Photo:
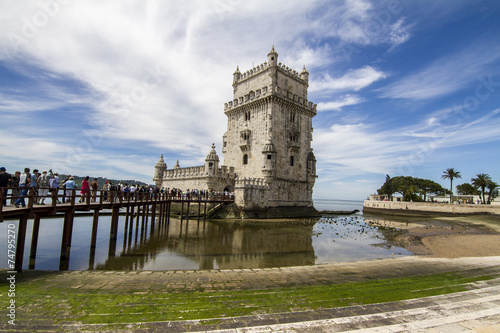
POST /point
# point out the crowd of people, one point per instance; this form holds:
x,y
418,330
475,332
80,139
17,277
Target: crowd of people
x,y
46,182
20,183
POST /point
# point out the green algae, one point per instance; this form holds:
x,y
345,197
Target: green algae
x,y
87,306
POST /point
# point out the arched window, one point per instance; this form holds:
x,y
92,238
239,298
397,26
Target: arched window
x,y
291,160
245,159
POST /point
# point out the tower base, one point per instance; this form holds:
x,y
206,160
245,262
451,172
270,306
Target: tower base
x,y
233,211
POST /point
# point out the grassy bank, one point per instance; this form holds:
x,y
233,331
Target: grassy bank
x,y
45,302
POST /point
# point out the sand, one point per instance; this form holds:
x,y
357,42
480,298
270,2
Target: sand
x,y
448,237
454,246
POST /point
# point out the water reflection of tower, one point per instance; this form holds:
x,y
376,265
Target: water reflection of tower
x,y
220,245
228,245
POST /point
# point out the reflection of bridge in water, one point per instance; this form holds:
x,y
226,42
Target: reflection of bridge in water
x,y
143,207
220,245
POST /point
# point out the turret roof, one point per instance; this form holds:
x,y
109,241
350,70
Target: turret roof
x,y
212,156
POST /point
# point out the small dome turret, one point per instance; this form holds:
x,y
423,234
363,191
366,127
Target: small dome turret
x,y
272,57
160,169
212,162
304,75
161,163
269,147
236,74
212,156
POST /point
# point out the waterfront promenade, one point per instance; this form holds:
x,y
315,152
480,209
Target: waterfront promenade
x,y
416,208
475,310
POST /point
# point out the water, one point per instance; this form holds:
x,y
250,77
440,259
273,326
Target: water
x,y
194,245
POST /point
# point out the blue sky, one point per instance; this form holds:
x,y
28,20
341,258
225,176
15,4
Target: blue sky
x,y
103,88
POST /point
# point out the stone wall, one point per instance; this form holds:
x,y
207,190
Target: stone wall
x,y
413,208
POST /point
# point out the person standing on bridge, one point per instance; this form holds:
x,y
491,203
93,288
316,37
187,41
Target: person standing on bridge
x,y
43,183
34,183
94,186
54,183
15,186
70,185
5,181
85,192
24,182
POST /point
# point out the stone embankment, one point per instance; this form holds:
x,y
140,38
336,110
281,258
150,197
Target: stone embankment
x,y
419,208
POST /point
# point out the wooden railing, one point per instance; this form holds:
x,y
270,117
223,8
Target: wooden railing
x,y
62,198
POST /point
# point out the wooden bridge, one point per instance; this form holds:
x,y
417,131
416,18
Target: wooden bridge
x,y
139,205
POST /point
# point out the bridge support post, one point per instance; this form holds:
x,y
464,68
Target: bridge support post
x,y
113,232
34,241
66,238
21,237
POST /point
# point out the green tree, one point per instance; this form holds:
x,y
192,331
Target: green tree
x,y
467,189
481,181
427,186
412,189
387,188
451,174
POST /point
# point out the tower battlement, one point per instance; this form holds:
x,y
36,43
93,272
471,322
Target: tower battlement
x,y
271,78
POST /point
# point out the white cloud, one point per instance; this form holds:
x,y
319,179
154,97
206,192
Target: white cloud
x,y
353,80
339,103
356,149
399,33
154,75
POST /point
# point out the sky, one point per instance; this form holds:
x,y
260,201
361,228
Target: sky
x,y
102,88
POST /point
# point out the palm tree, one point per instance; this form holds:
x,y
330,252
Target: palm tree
x,y
491,188
450,174
481,181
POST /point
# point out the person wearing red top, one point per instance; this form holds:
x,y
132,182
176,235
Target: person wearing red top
x,y
85,189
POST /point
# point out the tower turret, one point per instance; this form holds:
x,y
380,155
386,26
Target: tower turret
x,y
304,75
272,57
311,166
160,169
269,155
212,162
236,74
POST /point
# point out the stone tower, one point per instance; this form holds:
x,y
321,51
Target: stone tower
x,y
268,138
268,160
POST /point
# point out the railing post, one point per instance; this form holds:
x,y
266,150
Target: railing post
x,y
31,197
73,197
53,196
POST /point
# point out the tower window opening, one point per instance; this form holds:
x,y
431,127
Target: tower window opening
x,y
247,115
245,159
291,160
269,156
